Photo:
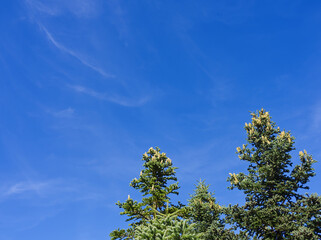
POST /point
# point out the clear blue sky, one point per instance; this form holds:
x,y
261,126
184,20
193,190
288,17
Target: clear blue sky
x,y
87,86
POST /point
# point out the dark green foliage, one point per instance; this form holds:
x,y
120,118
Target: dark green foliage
x,y
122,234
307,223
274,208
203,208
206,213
153,184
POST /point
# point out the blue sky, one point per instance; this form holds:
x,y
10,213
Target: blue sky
x,y
87,86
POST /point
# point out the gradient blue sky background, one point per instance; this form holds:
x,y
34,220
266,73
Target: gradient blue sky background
x,y
87,86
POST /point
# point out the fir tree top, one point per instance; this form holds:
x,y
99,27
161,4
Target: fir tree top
x,y
153,179
272,185
153,184
270,161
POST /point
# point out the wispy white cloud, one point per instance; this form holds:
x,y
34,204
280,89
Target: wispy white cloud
x,y
88,91
65,113
74,54
38,187
45,198
79,8
123,101
119,20
58,190
41,7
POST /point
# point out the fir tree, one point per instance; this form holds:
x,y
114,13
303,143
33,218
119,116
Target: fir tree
x,y
167,226
207,215
274,207
153,184
203,208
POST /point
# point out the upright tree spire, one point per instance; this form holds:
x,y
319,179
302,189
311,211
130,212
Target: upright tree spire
x,y
271,186
153,179
206,214
153,184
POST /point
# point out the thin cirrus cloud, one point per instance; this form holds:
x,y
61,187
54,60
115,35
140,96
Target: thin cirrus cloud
x,y
51,188
41,7
102,96
126,102
45,198
65,113
23,187
79,8
74,54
